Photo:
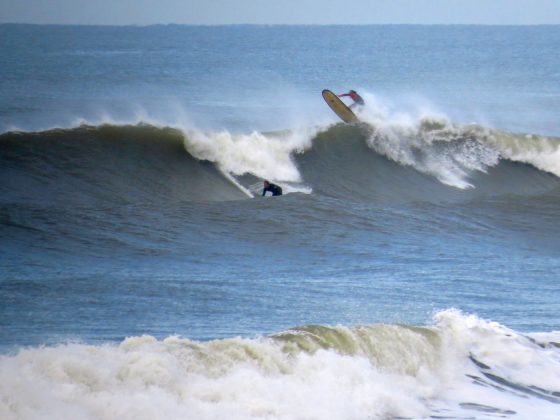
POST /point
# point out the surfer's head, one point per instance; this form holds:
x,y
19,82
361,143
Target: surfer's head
x,y
266,183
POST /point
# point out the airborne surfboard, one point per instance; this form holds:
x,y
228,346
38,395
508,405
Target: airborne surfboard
x,y
339,107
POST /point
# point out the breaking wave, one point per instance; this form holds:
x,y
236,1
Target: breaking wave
x,y
426,159
460,367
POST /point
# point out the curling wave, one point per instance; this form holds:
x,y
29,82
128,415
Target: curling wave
x,y
430,160
433,162
91,165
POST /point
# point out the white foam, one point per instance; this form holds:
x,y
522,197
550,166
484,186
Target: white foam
x,y
267,156
376,372
235,379
509,354
414,137
539,151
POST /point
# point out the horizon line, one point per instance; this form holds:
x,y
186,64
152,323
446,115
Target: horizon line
x,y
274,24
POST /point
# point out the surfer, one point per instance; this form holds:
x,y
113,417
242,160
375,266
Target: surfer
x,y
358,100
273,188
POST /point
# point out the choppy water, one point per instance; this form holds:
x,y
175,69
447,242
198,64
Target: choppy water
x,y
409,271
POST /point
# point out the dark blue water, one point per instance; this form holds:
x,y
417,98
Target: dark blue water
x,y
131,167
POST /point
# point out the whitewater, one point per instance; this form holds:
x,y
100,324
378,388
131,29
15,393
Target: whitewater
x,y
409,271
460,367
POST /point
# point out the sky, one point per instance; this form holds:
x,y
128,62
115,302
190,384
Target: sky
x,y
211,12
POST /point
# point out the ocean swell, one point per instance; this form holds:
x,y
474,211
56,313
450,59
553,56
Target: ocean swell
x,y
428,160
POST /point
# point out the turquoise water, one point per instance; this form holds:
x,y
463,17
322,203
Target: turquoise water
x,y
417,251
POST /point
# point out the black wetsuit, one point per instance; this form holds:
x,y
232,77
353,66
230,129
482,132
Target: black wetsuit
x,y
273,188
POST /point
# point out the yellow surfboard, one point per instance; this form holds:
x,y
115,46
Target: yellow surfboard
x,y
339,107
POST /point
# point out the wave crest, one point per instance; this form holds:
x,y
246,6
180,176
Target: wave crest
x,y
389,160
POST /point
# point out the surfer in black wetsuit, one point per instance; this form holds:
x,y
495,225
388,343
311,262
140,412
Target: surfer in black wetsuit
x,y
273,188
358,100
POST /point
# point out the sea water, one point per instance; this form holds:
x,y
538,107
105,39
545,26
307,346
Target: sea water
x,y
410,270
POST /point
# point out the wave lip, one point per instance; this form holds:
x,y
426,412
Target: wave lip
x,y
428,160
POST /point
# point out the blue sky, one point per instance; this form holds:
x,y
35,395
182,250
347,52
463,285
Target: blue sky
x,y
144,12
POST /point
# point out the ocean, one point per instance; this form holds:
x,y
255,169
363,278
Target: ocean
x,y
410,270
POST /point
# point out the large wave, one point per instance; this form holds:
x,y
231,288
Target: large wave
x,y
384,158
460,366
115,164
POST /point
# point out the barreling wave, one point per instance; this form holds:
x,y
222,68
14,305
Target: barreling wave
x,y
428,159
460,367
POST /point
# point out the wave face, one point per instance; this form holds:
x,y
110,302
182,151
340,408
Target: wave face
x,y
461,367
430,160
89,166
438,165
